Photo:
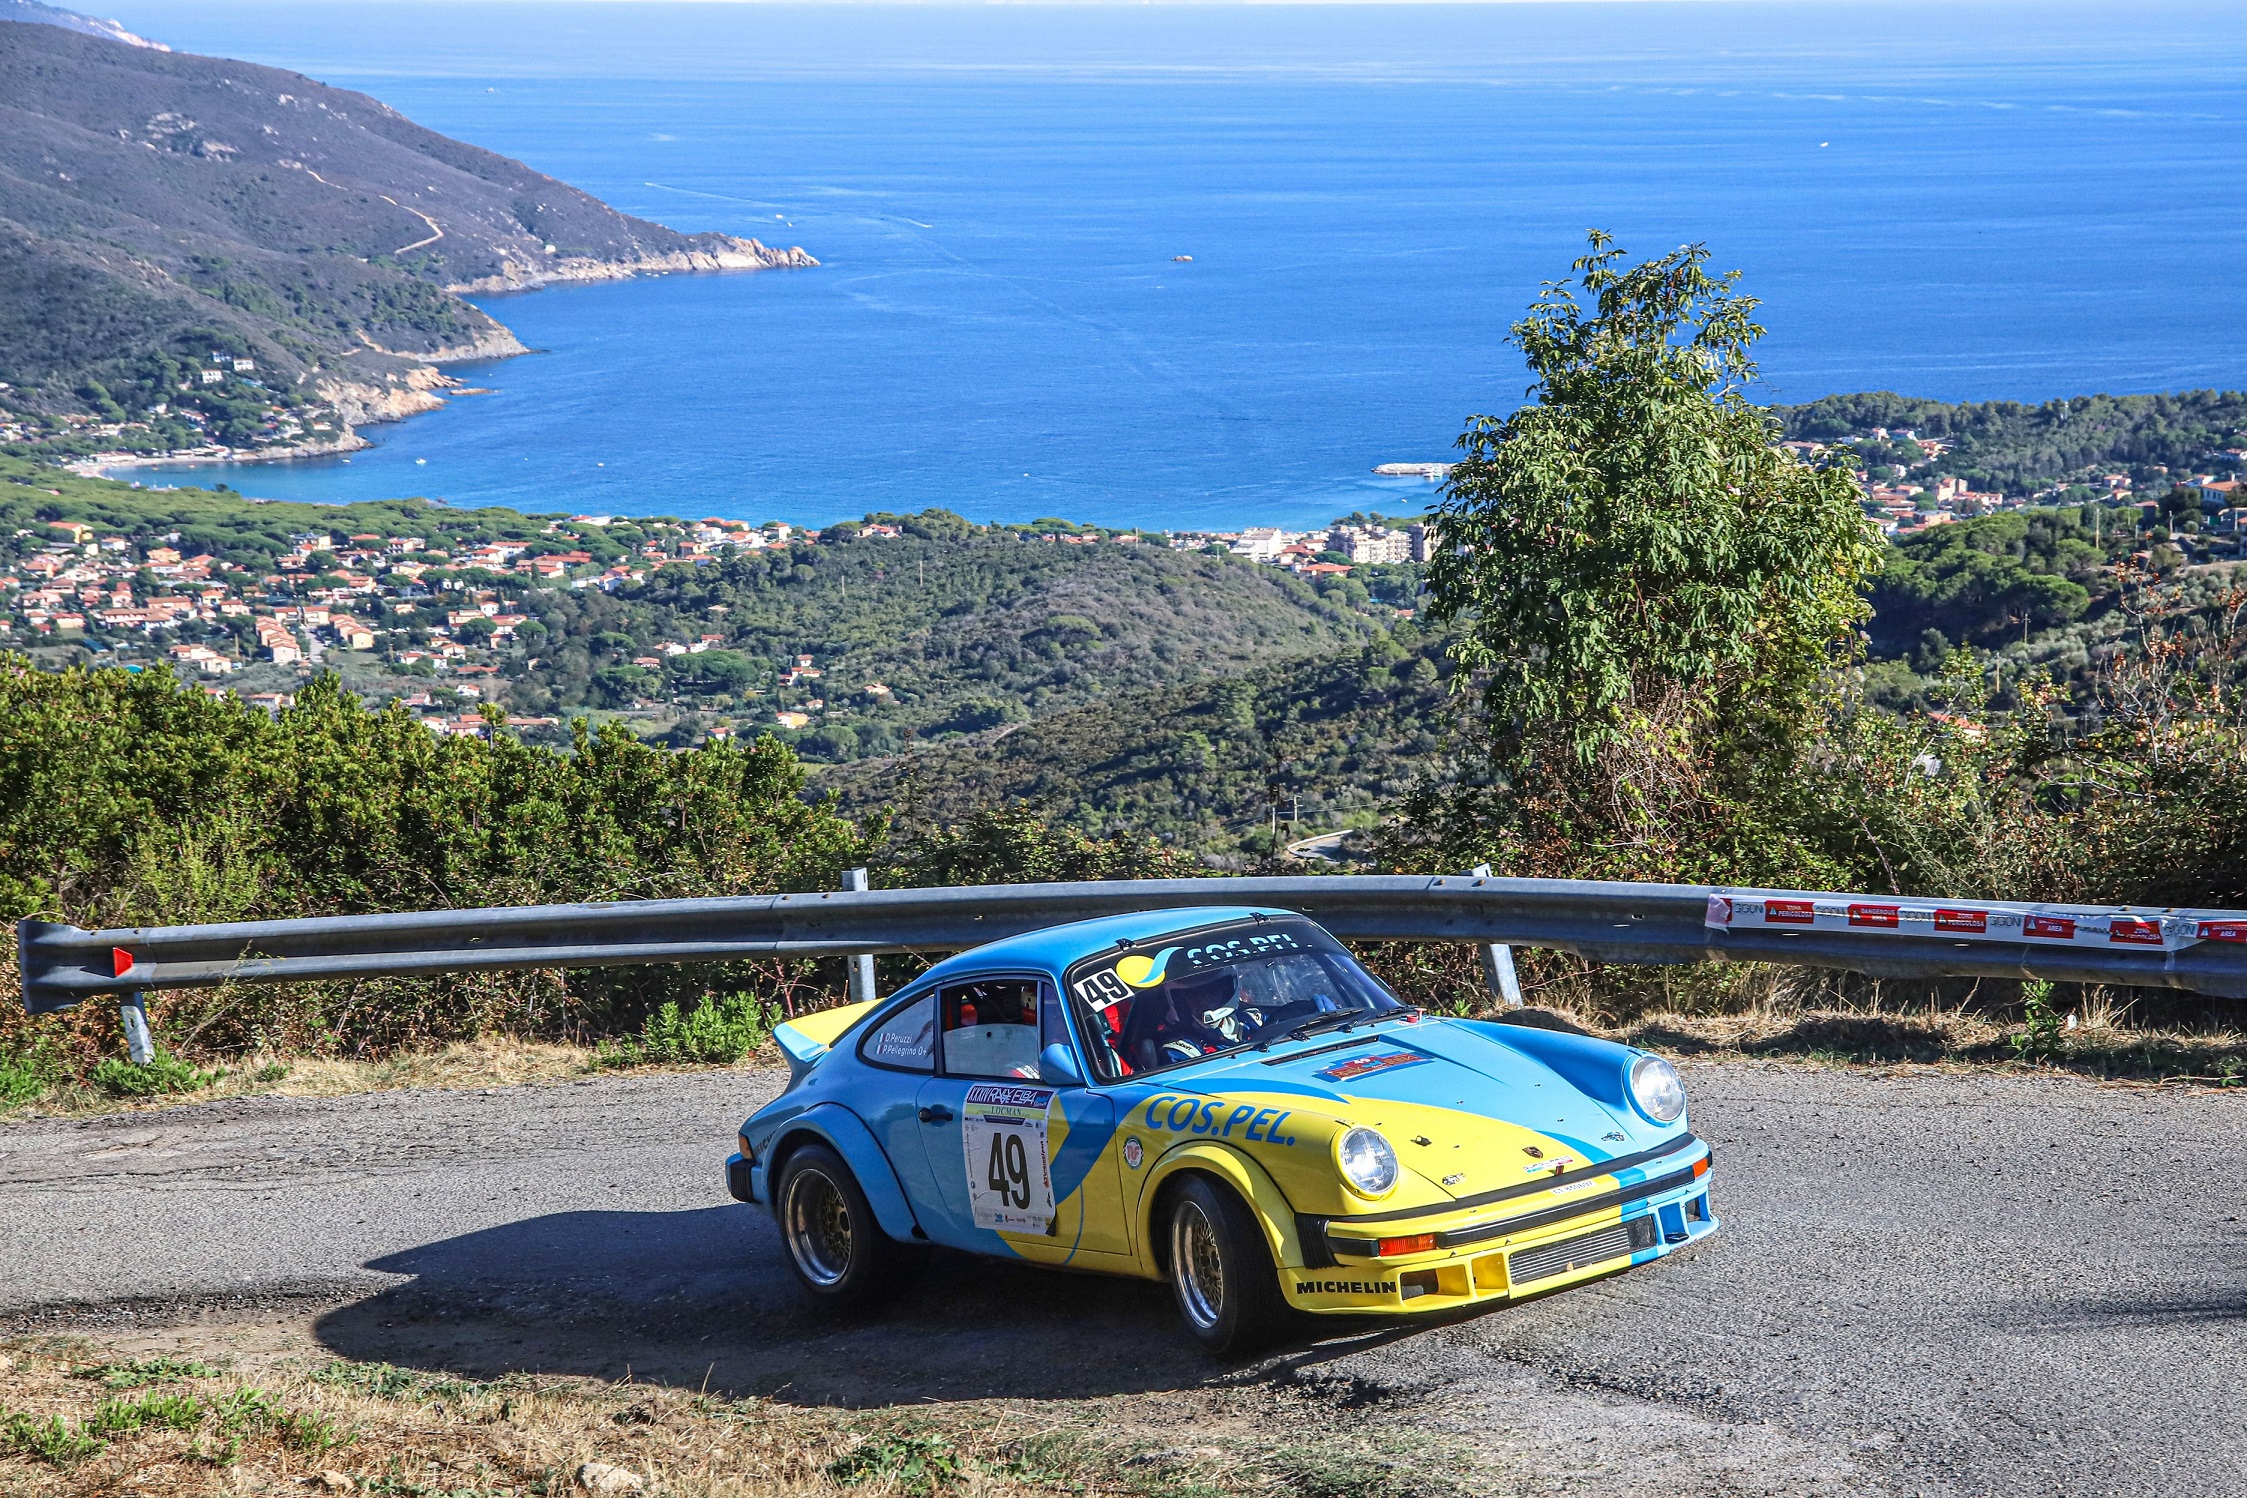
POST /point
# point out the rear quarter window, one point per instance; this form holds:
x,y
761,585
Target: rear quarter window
x,y
906,1040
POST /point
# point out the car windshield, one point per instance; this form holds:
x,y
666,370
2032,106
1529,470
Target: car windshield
x,y
1175,999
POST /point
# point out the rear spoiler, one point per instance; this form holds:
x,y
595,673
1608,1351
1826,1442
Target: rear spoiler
x,y
805,1039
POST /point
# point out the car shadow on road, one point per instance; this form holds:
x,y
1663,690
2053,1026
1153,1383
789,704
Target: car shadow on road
x,y
705,1298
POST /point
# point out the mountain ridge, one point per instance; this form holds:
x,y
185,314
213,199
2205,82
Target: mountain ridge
x,y
161,209
31,12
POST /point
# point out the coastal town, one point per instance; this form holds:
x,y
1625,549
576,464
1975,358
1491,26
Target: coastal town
x,y
1904,496
441,619
439,625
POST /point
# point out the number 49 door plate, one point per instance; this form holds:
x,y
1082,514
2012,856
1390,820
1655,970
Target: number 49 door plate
x,y
1003,1139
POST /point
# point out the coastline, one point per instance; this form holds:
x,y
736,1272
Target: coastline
x,y
414,390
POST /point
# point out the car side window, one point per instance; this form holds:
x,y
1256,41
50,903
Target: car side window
x,y
991,1028
907,1039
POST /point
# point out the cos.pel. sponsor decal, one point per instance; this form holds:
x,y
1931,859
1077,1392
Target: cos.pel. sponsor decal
x,y
1218,1118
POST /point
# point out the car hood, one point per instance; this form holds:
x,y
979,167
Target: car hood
x,y
1466,1112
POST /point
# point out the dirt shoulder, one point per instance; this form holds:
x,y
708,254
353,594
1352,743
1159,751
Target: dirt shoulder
x,y
2091,1046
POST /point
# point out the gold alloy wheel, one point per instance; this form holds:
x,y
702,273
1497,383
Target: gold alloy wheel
x,y
1197,1269
819,1233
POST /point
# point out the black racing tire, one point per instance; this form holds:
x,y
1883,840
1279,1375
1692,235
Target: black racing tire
x,y
1220,1270
841,1256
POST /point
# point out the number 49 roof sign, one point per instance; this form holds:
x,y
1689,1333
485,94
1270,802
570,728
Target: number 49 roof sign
x,y
1974,920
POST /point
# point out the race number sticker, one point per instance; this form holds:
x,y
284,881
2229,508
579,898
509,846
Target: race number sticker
x,y
1003,1133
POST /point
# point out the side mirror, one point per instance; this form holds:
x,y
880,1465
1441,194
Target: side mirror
x,y
1058,1067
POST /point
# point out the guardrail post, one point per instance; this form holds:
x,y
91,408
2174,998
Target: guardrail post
x,y
134,1015
1498,963
861,966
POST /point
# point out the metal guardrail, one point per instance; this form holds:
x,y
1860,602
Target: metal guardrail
x,y
2203,951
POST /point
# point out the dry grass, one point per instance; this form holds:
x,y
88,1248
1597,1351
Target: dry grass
x,y
82,1419
1819,1017
2093,1046
492,1062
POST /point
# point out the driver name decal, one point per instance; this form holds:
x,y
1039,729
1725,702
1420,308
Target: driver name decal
x,y
1003,1139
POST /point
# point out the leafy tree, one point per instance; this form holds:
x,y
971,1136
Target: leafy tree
x,y
1629,554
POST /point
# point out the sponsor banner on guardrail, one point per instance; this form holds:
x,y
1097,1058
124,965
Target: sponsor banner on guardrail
x,y
1971,920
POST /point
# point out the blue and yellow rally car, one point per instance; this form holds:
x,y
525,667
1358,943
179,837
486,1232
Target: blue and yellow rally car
x,y
1223,1098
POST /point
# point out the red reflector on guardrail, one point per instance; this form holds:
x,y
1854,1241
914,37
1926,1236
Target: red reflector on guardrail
x,y
120,962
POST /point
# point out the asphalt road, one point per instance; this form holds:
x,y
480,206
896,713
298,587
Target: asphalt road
x,y
1926,1283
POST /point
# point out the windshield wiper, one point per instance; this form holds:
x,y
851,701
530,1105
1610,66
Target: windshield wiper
x,y
1338,1019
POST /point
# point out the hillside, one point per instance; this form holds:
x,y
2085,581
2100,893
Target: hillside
x,y
33,12
179,230
2020,449
1324,744
850,642
966,627
939,667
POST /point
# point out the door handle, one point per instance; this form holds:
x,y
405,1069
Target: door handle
x,y
936,1114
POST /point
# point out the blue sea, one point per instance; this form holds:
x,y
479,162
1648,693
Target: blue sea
x,y
1965,201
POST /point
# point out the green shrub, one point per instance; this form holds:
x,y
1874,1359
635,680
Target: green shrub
x,y
246,1409
165,1074
382,1380
150,1411
717,1031
2044,1035
50,1439
131,799
25,1077
918,1464
306,1431
146,1371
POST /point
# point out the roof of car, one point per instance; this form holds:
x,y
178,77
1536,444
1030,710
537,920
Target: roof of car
x,y
1058,946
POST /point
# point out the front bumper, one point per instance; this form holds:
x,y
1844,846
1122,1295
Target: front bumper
x,y
1480,1255
741,1180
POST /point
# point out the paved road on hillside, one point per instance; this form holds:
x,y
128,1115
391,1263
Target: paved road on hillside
x,y
1931,1284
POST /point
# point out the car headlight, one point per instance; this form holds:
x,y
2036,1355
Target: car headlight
x,y
1657,1089
1369,1164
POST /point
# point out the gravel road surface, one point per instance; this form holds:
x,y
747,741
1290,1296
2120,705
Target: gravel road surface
x,y
1926,1283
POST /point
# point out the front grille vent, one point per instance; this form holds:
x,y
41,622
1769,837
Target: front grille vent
x,y
1543,1262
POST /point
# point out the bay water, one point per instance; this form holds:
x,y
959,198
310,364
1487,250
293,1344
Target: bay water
x,y
1967,201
